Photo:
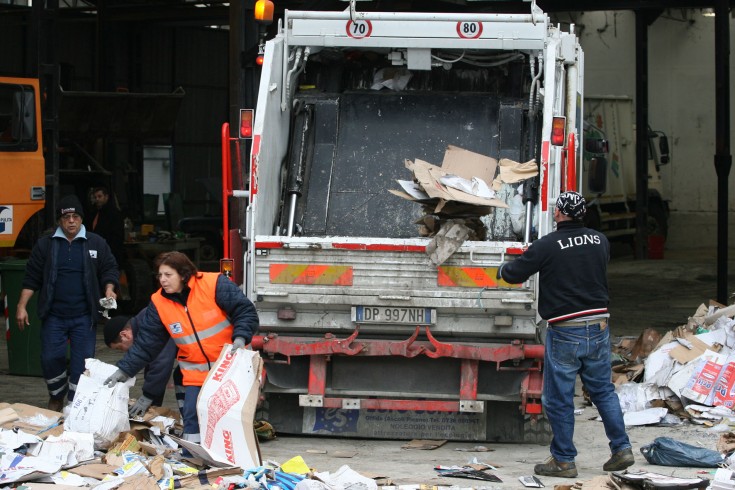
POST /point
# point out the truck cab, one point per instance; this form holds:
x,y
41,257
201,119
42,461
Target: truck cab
x,y
21,161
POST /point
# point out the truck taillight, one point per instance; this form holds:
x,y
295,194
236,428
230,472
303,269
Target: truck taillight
x,y
226,266
558,130
246,123
259,60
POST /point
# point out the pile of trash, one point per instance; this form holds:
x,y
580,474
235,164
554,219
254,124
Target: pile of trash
x,y
470,197
688,374
95,444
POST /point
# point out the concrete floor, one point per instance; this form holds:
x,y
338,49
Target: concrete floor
x,y
660,294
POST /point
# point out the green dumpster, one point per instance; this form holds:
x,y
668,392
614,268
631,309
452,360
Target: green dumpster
x,y
24,348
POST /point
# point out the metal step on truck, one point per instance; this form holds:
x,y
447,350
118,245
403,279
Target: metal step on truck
x,y
361,334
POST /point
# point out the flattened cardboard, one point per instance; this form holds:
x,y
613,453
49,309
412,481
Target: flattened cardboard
x,y
94,470
29,412
428,176
468,164
684,355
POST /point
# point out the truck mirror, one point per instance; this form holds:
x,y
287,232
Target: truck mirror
x,y
595,145
663,149
597,174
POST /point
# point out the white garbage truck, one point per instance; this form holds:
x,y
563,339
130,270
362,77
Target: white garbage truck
x,y
362,334
610,169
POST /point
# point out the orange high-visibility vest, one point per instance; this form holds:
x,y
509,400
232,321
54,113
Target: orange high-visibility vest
x,y
200,329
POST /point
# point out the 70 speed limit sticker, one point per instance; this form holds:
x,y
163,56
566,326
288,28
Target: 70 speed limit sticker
x,y
359,29
469,30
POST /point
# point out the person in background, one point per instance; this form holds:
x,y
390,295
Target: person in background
x,y
107,222
573,298
71,270
201,311
120,334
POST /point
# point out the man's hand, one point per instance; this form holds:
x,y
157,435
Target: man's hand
x,y
117,377
21,317
140,407
110,291
238,343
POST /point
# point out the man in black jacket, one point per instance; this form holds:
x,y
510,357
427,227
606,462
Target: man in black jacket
x,y
120,333
573,297
107,222
71,269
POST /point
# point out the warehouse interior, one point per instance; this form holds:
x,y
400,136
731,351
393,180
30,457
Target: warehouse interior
x,y
137,93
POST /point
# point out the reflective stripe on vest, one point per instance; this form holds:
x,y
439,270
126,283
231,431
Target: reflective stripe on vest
x,y
193,367
214,330
208,324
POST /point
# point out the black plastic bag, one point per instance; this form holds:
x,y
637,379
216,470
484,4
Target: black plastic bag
x,y
666,451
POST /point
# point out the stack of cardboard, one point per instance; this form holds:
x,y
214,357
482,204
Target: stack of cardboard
x,y
459,190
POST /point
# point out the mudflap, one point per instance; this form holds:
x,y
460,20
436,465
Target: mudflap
x,y
502,422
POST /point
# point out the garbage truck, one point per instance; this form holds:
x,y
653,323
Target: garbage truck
x,y
361,333
610,169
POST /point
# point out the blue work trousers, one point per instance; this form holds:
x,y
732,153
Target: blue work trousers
x,y
78,335
189,412
583,350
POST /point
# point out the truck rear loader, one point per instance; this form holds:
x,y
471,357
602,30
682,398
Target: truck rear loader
x,y
362,334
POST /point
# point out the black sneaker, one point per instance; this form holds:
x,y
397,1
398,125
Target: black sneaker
x,y
553,467
620,460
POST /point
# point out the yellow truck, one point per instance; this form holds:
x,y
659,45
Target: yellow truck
x,y
23,193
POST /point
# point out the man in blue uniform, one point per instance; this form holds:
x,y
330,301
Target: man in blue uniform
x,y
71,269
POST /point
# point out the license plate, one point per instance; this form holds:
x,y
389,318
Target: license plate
x,y
393,314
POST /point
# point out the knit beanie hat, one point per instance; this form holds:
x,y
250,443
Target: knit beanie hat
x,y
113,327
69,204
571,204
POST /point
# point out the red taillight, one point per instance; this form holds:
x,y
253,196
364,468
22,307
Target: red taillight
x,y
558,129
246,123
259,60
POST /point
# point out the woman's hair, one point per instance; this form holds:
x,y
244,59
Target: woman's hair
x,y
180,263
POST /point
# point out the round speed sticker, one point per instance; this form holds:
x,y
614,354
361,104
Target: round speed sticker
x,y
469,30
359,29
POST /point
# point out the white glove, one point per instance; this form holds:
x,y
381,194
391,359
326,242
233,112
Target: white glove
x,y
140,407
117,377
238,343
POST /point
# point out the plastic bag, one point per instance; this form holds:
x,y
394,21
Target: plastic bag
x,y
665,451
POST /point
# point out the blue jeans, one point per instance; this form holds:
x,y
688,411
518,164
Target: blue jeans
x,y
189,412
77,335
583,350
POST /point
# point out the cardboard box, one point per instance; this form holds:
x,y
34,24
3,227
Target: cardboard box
x,y
226,408
701,384
724,390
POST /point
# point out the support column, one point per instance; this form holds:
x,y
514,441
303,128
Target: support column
x,y
641,130
723,157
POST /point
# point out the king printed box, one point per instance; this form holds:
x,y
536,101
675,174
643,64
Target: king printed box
x,y
226,408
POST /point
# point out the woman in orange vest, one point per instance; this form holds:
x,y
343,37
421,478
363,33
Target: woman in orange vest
x,y
200,311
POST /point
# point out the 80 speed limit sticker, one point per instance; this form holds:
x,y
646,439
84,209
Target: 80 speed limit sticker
x,y
469,30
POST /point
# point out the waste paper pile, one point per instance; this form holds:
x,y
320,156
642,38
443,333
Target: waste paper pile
x,y
683,378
